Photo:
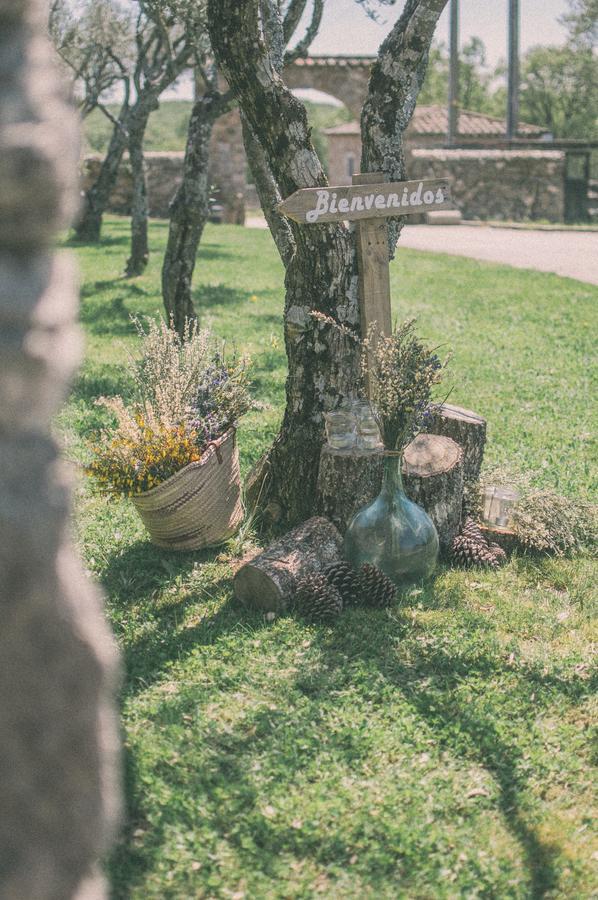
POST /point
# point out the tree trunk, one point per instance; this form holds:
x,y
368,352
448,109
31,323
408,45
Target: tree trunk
x,y
270,580
322,362
433,478
321,269
138,259
347,481
89,225
188,215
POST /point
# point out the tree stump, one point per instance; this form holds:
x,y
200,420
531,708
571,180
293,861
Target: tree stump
x,y
347,481
269,581
433,478
468,430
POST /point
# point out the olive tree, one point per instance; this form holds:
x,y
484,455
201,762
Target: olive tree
x,y
190,206
95,42
320,260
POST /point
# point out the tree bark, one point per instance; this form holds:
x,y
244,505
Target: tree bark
x,y
319,270
347,481
88,227
433,478
270,580
139,254
268,193
188,214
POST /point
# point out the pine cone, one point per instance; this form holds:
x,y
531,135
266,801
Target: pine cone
x,y
316,599
470,552
343,577
375,588
499,553
471,529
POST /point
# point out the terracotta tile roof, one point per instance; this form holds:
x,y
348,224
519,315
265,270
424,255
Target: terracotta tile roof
x,y
433,120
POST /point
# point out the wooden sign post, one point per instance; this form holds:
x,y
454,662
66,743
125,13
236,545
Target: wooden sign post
x,y
369,201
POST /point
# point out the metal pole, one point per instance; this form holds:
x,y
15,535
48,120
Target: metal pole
x,y
453,97
513,79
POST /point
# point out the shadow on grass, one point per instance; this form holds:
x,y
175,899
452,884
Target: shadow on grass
x,y
108,317
461,728
214,251
102,380
105,241
142,570
208,296
429,678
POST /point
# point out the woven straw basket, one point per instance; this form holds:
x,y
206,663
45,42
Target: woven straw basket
x,y
200,505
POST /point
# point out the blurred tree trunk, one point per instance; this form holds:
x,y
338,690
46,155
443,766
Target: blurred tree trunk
x,y
58,725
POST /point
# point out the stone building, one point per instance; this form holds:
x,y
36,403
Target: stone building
x,y
533,177
487,182
529,178
427,129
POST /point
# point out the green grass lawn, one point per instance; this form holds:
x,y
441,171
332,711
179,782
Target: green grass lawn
x,y
441,748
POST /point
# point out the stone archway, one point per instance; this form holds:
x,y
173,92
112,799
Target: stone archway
x,y
345,77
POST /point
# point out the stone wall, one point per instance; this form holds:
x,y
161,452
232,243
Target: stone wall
x,y
344,152
165,172
499,184
487,184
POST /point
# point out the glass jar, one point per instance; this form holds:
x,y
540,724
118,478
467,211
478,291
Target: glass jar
x,y
341,429
392,532
499,502
368,431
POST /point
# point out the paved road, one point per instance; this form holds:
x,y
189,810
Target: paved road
x,y
570,253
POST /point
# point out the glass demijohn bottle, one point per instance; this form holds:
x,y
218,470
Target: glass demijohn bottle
x,y
392,532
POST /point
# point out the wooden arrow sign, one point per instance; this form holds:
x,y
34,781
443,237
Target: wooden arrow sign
x,y
371,200
380,200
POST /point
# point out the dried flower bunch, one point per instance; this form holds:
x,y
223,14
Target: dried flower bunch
x,y
187,391
543,521
403,372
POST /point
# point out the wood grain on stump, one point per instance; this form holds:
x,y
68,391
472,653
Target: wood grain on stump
x,y
269,580
433,478
468,430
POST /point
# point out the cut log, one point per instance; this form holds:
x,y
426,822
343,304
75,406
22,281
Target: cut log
x,y
467,429
269,580
433,478
347,481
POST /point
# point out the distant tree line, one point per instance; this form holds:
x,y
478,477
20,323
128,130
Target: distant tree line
x,y
558,85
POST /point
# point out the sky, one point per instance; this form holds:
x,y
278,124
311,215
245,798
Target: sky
x,y
346,29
